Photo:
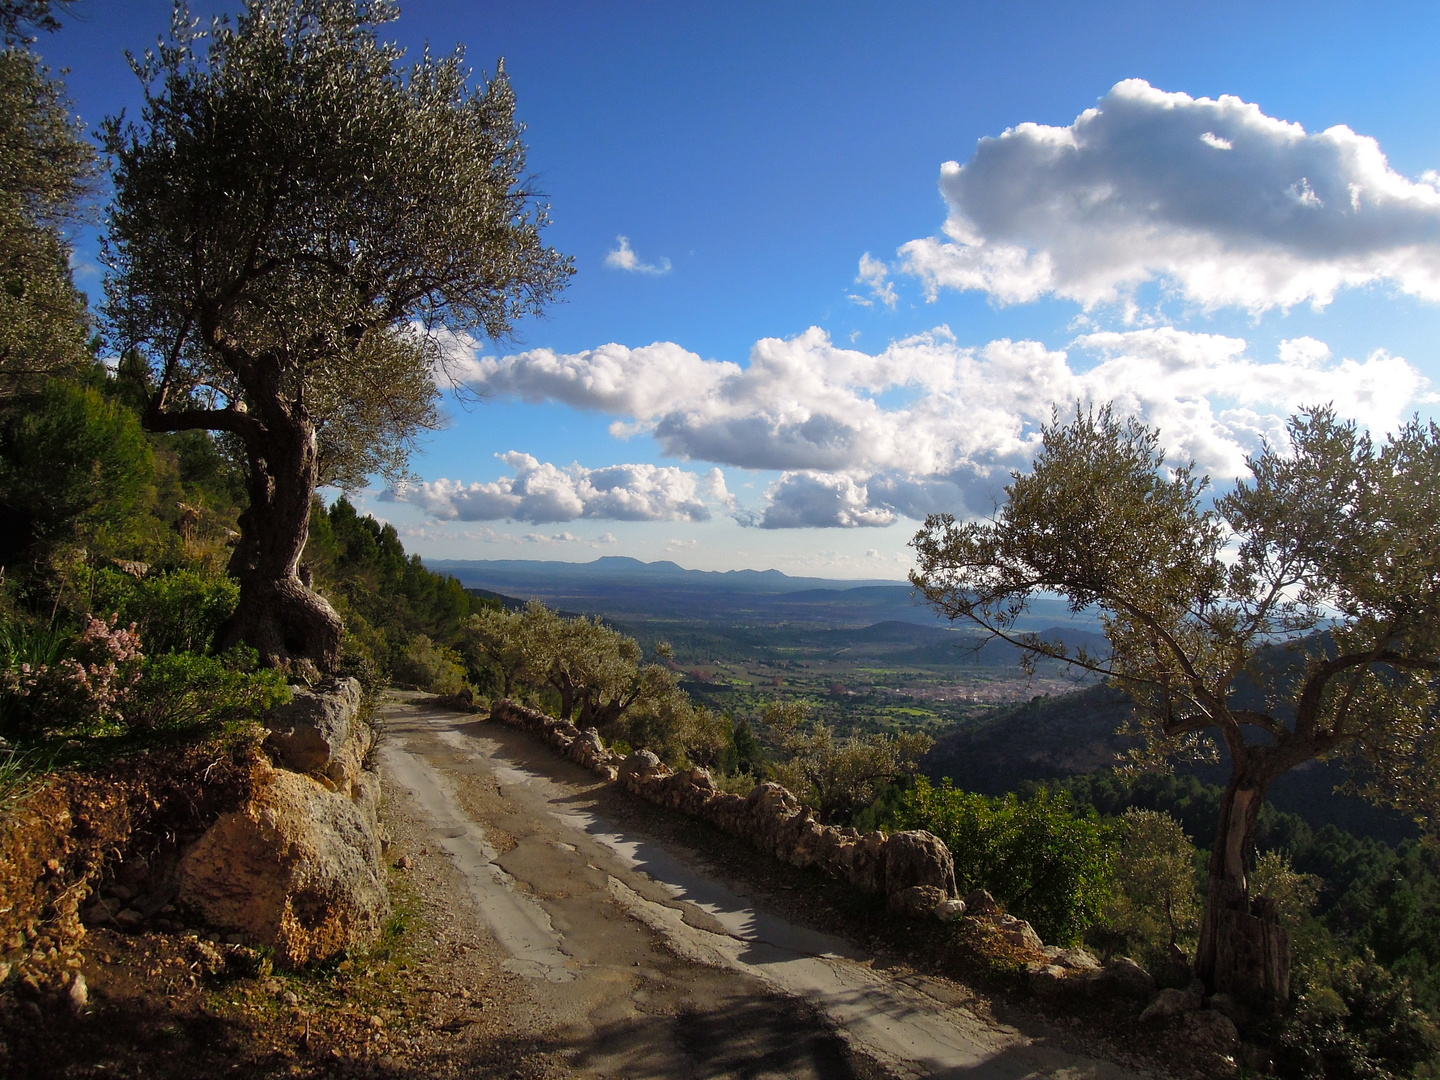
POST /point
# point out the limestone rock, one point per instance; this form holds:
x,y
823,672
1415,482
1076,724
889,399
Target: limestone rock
x,y
1049,980
1210,1030
916,902
296,869
1229,1005
1171,1002
949,910
1063,971
1123,977
1072,959
316,732
641,768
1017,932
980,904
78,994
918,858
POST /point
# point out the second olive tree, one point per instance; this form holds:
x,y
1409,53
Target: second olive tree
x,y
1298,618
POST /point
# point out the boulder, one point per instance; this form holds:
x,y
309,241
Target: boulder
x,y
1049,980
1018,933
1072,959
1207,1029
1122,977
1171,1002
316,732
297,869
865,864
916,902
1229,1005
641,769
918,858
949,910
1063,971
980,903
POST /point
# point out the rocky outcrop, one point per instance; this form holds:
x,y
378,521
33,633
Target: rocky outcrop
x,y
317,733
297,868
1077,973
912,870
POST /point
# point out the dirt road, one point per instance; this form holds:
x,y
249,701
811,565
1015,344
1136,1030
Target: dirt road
x,y
623,959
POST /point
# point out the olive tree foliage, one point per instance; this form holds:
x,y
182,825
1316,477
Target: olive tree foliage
x,y
599,678
1294,894
300,223
1156,906
18,17
837,776
1297,618
47,171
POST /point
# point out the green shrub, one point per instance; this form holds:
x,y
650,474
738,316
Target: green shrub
x,y
1045,861
431,667
1354,1020
1155,906
183,690
181,611
357,661
838,777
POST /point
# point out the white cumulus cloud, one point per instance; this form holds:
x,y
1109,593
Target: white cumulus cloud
x,y
1225,205
624,258
874,275
540,492
863,439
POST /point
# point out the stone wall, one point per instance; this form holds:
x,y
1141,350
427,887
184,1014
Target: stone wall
x,y
912,870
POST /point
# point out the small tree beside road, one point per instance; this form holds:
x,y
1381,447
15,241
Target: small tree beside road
x,y
837,776
1298,619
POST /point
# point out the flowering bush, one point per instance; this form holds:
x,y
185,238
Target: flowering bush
x,y
87,687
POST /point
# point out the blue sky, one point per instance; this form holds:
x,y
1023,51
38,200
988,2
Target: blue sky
x,y
852,333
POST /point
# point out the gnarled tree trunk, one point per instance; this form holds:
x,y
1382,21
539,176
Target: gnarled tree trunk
x,y
1243,950
279,614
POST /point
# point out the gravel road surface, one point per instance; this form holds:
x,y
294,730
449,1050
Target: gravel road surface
x,y
626,960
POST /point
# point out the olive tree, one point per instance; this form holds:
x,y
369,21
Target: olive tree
x,y
299,224
47,170
1297,618
837,776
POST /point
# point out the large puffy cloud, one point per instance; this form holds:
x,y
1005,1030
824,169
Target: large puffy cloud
x,y
1227,205
643,383
927,425
540,492
808,500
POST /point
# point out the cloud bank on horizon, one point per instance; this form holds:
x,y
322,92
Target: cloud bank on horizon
x,y
1226,206
927,425
1219,203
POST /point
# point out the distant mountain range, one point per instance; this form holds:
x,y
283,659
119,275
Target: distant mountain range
x,y
622,568
630,590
